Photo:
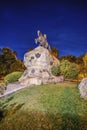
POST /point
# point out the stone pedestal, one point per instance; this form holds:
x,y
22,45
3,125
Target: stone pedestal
x,y
38,63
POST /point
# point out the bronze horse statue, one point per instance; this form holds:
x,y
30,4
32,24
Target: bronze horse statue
x,y
42,39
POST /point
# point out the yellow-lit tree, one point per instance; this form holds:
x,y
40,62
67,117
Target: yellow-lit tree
x,y
85,59
55,52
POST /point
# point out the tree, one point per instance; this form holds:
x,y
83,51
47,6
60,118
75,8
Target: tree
x,y
3,69
85,59
70,58
83,66
17,66
7,57
30,49
9,61
15,53
55,51
79,59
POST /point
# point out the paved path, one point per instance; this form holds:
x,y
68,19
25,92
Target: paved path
x,y
11,88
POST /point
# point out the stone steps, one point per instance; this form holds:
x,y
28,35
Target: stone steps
x,y
12,88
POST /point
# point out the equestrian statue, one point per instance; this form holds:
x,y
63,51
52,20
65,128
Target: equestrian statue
x,y
42,39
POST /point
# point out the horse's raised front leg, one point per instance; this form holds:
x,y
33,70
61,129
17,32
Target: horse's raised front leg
x,y
36,40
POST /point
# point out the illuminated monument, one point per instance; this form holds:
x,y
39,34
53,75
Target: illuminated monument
x,y
39,63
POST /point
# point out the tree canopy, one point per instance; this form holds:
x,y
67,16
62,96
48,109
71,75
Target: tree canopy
x,y
55,52
9,61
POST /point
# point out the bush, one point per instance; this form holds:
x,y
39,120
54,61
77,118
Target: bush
x,y
68,69
55,70
2,88
12,77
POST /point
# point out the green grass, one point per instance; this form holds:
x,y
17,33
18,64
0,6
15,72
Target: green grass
x,y
46,107
12,77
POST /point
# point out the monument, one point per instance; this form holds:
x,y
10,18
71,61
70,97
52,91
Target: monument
x,y
39,63
42,39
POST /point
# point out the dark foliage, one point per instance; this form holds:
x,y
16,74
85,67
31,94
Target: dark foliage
x,y
9,62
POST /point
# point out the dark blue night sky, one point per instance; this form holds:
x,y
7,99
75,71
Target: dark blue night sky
x,y
64,22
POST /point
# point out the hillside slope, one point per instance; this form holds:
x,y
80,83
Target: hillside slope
x,y
46,107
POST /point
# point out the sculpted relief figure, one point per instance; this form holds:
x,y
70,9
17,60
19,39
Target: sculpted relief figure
x,y
42,39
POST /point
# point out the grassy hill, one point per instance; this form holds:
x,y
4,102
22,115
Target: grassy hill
x,y
45,107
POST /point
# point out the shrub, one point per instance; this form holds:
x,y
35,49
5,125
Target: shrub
x,y
55,70
12,77
68,69
2,88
